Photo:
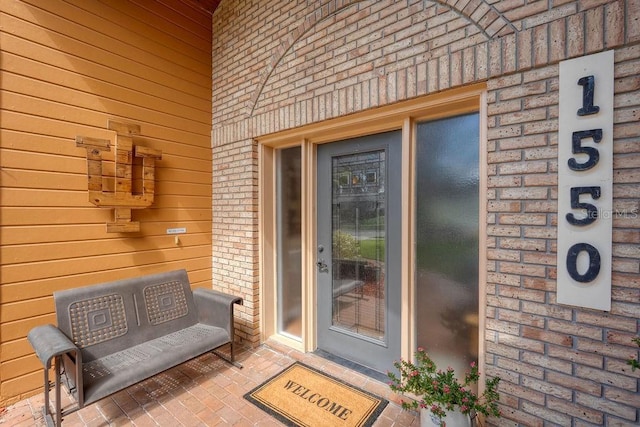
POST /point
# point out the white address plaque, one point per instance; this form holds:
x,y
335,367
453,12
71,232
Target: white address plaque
x,y
585,181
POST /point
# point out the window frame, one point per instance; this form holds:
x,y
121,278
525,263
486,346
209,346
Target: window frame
x,y
403,115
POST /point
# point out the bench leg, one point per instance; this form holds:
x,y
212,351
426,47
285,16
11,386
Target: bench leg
x,y
231,360
58,394
48,416
46,409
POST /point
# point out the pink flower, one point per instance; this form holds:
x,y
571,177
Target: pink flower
x,y
420,349
473,364
446,389
414,373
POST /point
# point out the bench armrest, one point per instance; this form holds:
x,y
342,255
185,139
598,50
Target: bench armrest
x,y
216,308
49,342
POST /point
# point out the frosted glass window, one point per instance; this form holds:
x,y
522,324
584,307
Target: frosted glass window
x,y
447,200
289,241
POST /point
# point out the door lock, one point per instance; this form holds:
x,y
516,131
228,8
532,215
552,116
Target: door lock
x,y
322,266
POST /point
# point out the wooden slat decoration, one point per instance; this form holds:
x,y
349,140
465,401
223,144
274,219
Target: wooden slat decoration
x,y
94,148
122,199
125,129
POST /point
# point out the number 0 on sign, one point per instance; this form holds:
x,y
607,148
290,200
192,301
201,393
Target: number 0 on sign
x,y
585,181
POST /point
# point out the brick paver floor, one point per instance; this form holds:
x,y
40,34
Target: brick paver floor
x,y
204,392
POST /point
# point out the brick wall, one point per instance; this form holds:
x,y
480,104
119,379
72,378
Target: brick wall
x,y
563,364
283,64
235,238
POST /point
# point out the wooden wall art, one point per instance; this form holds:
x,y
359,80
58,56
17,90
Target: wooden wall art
x,y
121,196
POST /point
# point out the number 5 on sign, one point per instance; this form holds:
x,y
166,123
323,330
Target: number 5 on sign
x,y
585,181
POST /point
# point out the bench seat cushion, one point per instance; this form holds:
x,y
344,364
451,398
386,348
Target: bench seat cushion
x,y
116,371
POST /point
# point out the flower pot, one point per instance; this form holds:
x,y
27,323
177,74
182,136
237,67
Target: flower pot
x,y
454,418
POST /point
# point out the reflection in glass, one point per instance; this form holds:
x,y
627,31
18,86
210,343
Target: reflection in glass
x,y
289,241
358,243
447,187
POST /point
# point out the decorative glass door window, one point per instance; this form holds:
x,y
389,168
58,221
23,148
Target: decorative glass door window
x,y
358,243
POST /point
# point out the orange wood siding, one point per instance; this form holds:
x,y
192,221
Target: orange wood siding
x,y
66,68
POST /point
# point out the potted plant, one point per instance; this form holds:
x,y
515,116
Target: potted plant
x,y
440,395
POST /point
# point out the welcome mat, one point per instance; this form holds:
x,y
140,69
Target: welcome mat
x,y
303,396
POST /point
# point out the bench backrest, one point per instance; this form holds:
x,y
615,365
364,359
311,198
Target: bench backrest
x,y
109,317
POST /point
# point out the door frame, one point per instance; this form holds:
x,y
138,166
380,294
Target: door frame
x,y
404,116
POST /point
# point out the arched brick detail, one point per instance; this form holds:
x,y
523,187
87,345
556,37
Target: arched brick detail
x,y
479,13
482,14
309,22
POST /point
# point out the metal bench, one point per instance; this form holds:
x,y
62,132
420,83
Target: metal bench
x,y
113,335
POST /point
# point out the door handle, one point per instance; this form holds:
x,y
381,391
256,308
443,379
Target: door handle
x,y
322,266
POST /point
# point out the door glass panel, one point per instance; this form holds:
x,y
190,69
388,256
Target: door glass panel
x,y
358,244
447,191
359,269
289,241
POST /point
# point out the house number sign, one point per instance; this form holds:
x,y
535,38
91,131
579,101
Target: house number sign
x,y
585,176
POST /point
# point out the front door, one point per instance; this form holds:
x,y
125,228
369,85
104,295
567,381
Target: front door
x,y
359,244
